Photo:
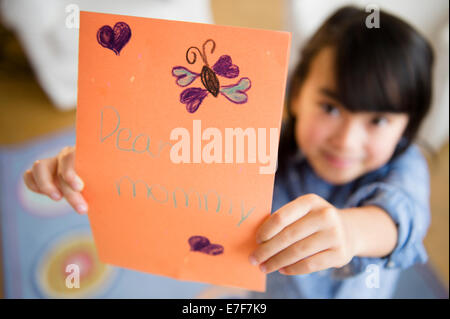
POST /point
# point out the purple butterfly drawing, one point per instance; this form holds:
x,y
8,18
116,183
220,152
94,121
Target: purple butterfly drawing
x,y
224,67
203,245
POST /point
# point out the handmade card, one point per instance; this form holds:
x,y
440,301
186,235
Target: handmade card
x,y
177,137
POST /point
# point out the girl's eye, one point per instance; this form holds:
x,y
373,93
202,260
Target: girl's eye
x,y
329,109
379,121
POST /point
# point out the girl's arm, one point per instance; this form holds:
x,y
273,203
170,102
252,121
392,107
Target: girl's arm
x,y
374,233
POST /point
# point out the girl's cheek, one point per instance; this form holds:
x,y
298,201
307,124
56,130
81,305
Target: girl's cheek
x,y
379,151
383,143
311,134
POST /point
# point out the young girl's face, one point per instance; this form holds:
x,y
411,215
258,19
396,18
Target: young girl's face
x,y
340,145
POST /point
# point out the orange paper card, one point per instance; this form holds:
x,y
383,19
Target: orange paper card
x,y
177,137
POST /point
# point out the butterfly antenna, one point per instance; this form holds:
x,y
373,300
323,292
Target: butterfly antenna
x,y
194,55
212,49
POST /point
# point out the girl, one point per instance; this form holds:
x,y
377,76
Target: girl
x,y
350,203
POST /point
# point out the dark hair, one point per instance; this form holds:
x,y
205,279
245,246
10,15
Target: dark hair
x,y
385,69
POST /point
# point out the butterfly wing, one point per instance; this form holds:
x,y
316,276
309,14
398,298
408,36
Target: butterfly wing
x,y
193,97
225,67
183,75
236,92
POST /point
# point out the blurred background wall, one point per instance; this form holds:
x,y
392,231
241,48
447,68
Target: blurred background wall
x,y
38,68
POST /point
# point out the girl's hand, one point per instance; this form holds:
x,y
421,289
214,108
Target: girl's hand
x,y
56,178
306,235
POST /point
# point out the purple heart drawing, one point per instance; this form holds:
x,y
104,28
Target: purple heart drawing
x,y
114,38
203,245
225,67
193,97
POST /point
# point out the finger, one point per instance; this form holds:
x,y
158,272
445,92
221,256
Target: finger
x,y
75,199
288,214
311,245
66,169
43,175
301,229
322,260
29,181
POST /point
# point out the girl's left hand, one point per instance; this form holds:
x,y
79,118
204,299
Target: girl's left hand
x,y
304,236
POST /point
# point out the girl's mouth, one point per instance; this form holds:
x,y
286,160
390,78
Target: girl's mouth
x,y
340,162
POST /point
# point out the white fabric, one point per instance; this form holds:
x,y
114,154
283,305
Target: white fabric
x,y
52,47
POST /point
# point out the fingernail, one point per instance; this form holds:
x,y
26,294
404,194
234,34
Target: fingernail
x,y
81,208
252,260
55,196
78,185
263,268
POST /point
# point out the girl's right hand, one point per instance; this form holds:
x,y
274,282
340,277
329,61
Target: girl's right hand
x,y
56,178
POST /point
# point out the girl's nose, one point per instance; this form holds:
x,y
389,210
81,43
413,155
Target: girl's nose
x,y
348,136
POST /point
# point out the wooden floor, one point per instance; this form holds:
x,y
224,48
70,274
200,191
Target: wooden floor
x,y
26,112
437,240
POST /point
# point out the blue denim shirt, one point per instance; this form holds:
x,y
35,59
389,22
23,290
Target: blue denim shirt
x,y
400,187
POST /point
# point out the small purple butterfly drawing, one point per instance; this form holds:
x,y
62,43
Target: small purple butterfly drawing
x,y
203,245
193,97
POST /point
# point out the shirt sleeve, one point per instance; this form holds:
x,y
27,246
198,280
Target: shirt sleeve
x,y
404,194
